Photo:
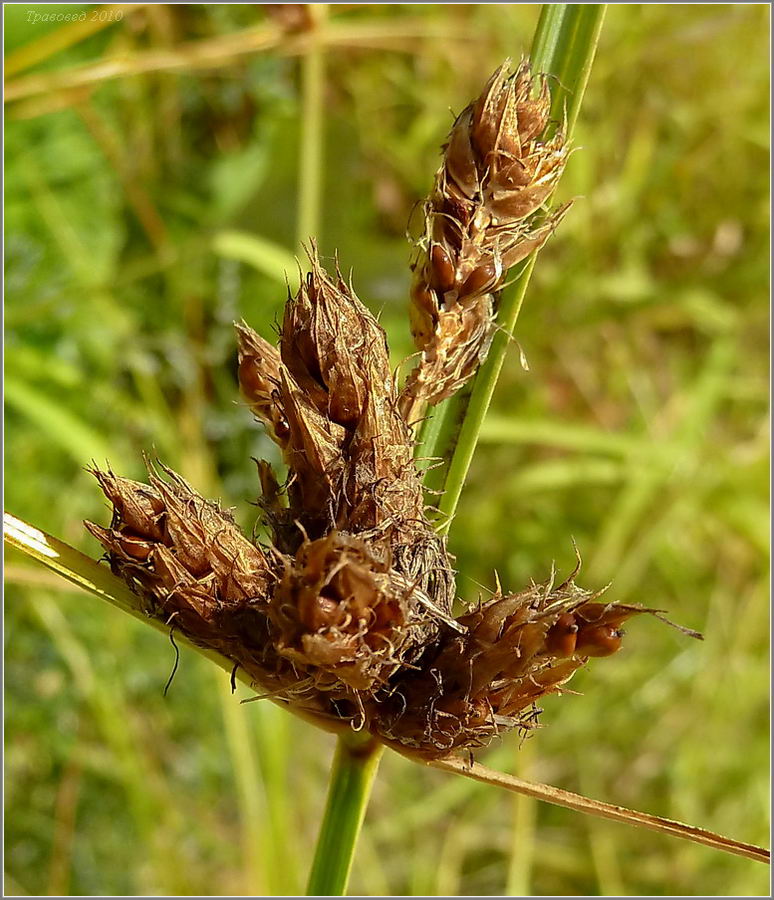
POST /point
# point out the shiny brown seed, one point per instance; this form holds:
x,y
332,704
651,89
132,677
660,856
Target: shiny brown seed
x,y
442,268
482,279
562,636
598,640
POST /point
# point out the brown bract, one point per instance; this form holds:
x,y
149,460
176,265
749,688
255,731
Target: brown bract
x,y
480,220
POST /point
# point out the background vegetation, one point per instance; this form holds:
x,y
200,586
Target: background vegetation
x,y
149,205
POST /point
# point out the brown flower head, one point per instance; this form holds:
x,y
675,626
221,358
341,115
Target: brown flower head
x,y
349,613
497,172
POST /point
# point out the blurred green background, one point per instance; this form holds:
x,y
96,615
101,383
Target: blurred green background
x,y
151,202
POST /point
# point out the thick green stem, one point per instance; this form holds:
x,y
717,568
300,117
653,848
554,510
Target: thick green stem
x,y
564,46
352,774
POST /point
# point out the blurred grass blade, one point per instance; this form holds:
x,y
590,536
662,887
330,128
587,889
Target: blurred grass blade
x,y
579,803
73,435
564,47
265,256
312,134
66,36
352,775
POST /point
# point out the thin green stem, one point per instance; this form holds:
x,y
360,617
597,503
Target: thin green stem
x,y
352,775
563,48
312,131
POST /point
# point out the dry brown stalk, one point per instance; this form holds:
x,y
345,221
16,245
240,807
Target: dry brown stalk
x,y
348,615
569,800
481,219
402,35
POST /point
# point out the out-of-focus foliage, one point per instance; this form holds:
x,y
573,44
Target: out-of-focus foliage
x,y
640,429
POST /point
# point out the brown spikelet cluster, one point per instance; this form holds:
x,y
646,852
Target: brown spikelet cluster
x,y
480,220
515,649
329,399
348,614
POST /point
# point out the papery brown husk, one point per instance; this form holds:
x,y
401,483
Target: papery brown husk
x,y
470,687
480,220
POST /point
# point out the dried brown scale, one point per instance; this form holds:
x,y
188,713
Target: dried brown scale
x,y
259,375
468,688
348,614
341,610
496,174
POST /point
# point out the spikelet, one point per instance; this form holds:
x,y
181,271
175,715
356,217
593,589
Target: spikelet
x,y
192,568
516,648
329,399
479,222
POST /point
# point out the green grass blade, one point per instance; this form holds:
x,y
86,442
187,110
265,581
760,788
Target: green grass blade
x,y
70,563
352,774
76,437
265,256
564,47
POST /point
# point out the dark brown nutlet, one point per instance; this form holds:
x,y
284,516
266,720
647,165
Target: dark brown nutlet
x,y
562,636
599,640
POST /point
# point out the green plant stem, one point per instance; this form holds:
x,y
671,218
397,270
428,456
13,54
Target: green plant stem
x,y
312,131
352,774
564,46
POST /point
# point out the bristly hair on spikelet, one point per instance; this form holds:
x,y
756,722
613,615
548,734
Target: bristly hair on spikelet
x,y
348,615
484,215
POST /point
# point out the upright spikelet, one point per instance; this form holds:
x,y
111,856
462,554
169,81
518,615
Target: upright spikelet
x,y
479,221
329,399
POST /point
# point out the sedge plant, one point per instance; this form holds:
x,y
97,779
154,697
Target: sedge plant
x,y
347,619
